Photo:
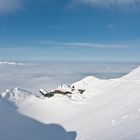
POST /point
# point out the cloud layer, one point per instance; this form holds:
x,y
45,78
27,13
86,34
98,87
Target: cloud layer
x,y
7,6
48,75
111,3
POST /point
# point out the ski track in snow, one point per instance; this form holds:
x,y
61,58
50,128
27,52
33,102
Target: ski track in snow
x,y
108,109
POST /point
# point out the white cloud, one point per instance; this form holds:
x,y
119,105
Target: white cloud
x,y
48,75
58,44
110,3
83,44
7,6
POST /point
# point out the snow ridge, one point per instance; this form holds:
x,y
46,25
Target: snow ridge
x,y
16,95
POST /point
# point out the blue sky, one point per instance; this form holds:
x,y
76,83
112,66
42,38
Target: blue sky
x,y
70,30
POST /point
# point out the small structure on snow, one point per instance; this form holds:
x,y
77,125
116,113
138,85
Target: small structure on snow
x,y
62,89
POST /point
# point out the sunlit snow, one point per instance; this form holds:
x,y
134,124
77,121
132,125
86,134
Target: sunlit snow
x,y
108,109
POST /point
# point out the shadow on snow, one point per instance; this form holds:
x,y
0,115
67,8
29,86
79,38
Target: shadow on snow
x,y
17,127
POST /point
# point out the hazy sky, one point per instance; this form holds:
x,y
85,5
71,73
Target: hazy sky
x,y
74,30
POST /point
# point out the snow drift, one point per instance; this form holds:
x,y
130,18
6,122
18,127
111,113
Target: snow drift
x,y
108,109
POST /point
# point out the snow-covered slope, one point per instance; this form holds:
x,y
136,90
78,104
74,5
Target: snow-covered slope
x,y
14,126
108,109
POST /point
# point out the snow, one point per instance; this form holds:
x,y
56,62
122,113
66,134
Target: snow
x,y
64,88
108,109
14,126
